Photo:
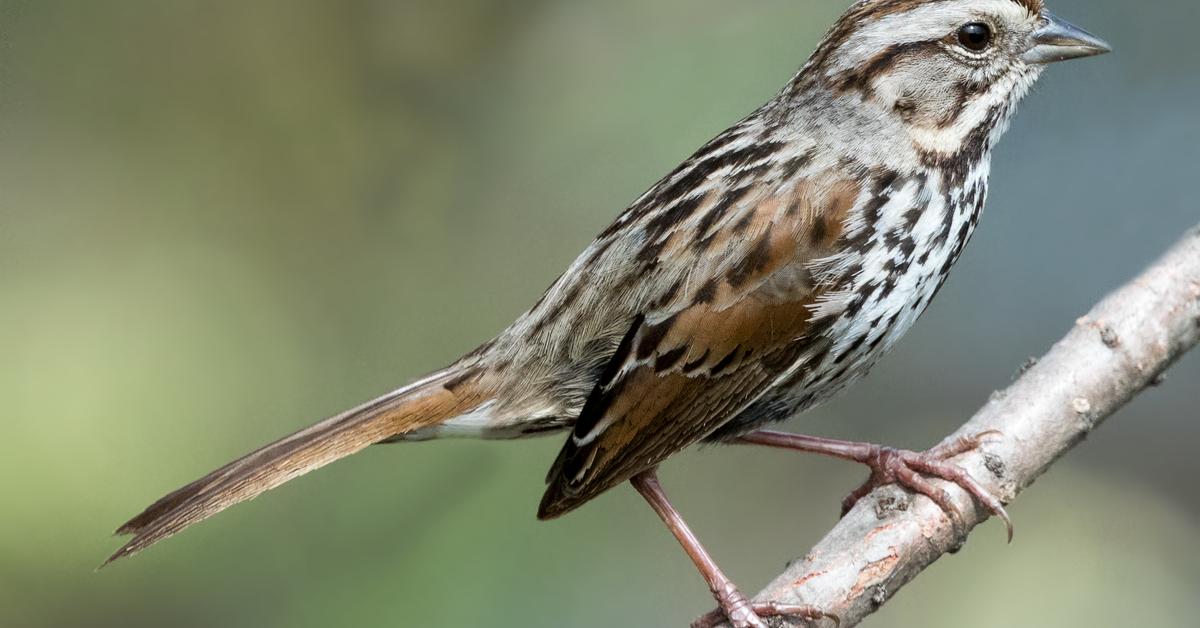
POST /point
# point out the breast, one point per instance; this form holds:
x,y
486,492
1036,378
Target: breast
x,y
899,247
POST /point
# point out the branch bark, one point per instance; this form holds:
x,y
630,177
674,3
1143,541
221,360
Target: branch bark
x,y
1114,352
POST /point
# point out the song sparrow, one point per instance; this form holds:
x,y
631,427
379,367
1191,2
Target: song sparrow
x,y
759,278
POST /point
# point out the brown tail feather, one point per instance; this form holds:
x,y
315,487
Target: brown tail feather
x,y
419,405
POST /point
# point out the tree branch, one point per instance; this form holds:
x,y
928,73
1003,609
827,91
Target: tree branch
x,y
1122,346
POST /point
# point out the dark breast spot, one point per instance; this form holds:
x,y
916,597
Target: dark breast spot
x,y
851,350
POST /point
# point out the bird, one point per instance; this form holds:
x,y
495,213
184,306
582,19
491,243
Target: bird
x,y
759,278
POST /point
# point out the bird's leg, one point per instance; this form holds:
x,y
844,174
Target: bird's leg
x,y
734,606
889,465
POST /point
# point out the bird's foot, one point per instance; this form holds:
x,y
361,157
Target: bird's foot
x,y
746,614
911,470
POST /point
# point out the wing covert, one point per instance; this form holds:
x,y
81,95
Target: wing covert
x,y
687,366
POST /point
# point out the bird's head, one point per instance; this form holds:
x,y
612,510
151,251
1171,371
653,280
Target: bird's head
x,y
945,67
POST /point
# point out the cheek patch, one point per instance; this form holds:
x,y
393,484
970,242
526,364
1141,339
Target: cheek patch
x,y
925,92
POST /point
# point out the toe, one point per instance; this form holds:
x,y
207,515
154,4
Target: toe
x,y
917,483
960,445
959,476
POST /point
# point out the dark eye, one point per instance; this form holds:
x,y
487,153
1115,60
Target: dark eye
x,y
975,36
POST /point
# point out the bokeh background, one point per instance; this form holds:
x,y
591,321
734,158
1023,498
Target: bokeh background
x,y
220,221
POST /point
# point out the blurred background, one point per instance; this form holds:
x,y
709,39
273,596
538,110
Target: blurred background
x,y
221,221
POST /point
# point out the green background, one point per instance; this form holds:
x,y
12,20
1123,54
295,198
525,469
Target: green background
x,y
220,221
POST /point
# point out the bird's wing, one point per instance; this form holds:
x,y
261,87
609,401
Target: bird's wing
x,y
687,365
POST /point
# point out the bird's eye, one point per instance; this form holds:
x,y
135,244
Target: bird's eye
x,y
975,36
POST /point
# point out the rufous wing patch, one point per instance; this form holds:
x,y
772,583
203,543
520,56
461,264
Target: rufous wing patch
x,y
689,364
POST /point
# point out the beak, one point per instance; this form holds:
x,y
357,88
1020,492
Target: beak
x,y
1059,40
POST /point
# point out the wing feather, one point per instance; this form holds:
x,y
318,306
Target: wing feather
x,y
688,365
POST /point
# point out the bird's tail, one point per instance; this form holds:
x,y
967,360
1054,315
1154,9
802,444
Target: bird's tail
x,y
423,404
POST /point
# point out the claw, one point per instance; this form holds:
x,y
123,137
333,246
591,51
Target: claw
x,y
898,466
907,469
